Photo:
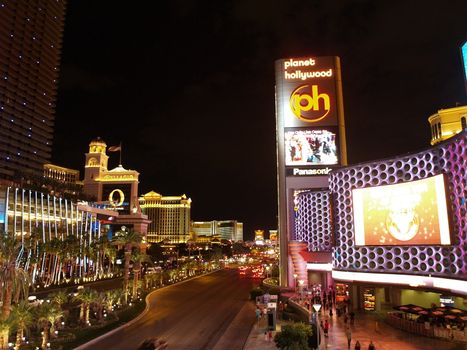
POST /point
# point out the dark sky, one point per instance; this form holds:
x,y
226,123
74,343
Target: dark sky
x,y
188,87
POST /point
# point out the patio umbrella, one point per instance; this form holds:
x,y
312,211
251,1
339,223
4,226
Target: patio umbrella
x,y
437,313
455,311
410,308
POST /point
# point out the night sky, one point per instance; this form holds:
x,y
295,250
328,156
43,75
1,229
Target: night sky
x,y
187,87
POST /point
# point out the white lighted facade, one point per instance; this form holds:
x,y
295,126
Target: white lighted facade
x,y
33,216
61,174
230,230
169,216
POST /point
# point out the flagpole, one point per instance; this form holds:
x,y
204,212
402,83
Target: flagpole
x,y
120,153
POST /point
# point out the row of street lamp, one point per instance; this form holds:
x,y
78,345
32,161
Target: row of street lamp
x,y
316,307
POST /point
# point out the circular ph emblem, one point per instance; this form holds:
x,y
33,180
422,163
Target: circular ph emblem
x,y
308,104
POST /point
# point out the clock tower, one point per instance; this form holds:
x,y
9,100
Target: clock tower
x,y
95,167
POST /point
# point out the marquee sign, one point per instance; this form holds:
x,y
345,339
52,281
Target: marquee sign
x,y
118,197
306,91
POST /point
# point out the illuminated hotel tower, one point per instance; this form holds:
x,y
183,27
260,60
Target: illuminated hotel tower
x,y
169,215
30,45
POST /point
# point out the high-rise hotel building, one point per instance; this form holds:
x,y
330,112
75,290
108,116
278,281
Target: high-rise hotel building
x,y
30,44
231,230
169,215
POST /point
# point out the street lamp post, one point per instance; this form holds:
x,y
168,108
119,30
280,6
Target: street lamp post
x,y
295,281
300,290
317,307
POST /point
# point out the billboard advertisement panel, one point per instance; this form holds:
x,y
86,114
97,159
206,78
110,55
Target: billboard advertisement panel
x,y
411,213
118,196
306,91
310,146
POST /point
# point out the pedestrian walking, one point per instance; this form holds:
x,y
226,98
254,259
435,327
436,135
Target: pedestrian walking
x,y
348,333
258,314
269,335
326,328
330,312
357,346
371,346
352,317
266,337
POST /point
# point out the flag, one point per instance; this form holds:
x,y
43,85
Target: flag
x,y
114,148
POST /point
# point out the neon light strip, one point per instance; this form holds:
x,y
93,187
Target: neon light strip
x,y
319,266
457,286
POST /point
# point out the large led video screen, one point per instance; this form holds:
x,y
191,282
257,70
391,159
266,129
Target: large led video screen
x,y
412,213
310,146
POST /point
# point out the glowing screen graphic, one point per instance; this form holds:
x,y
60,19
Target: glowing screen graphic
x,y
464,58
310,147
412,213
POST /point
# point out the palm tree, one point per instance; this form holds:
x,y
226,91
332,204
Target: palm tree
x,y
102,246
13,279
111,298
22,318
85,297
98,304
111,254
71,248
59,298
127,239
55,315
138,257
43,316
5,326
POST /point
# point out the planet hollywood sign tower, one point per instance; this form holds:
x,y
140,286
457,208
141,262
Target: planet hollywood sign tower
x,y
310,133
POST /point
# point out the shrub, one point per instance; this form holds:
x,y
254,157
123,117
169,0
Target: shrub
x,y
256,292
294,336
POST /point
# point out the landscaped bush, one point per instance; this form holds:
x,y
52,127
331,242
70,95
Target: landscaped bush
x,y
256,292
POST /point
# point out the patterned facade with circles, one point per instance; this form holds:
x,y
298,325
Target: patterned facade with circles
x,y
448,158
313,220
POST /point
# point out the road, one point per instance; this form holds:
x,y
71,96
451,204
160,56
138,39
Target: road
x,y
190,315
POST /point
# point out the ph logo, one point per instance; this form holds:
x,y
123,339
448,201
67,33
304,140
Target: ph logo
x,y
308,104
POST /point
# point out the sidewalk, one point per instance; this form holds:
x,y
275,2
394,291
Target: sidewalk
x,y
365,329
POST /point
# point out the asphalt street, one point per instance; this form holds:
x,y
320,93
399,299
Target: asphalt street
x,y
190,315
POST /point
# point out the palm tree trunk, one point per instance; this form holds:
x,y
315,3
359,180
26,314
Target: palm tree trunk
x,y
6,307
135,284
126,272
19,338
45,338
86,315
